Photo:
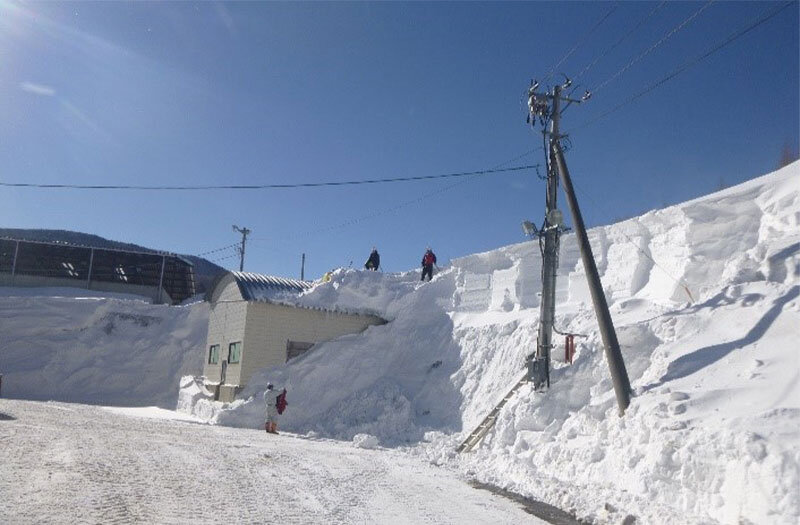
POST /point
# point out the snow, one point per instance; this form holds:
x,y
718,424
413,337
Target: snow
x,y
705,299
71,463
99,349
705,296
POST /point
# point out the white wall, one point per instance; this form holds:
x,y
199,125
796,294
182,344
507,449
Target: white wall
x,y
270,326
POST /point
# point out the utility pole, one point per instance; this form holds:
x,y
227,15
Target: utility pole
x,y
547,108
303,268
539,105
245,232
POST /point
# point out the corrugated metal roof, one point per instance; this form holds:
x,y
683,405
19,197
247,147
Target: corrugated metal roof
x,y
258,287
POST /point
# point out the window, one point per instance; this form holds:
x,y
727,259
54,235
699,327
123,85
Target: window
x,y
235,352
296,348
213,355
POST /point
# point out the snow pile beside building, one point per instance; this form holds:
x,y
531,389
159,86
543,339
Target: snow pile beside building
x,y
705,299
67,345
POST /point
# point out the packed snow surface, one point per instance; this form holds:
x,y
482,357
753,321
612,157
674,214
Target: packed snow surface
x,y
69,463
704,296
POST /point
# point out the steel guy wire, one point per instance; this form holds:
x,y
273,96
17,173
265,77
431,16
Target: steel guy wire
x,y
653,47
686,65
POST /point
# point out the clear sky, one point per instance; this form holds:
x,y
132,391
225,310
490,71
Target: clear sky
x,y
184,93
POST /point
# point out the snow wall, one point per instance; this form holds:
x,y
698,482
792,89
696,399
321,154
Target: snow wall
x,y
86,347
704,296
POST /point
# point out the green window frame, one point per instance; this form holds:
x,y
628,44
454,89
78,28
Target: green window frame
x,y
213,354
235,352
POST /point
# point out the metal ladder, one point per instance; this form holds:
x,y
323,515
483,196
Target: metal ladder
x,y
486,425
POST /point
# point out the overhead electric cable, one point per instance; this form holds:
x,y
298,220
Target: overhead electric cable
x,y
228,247
404,204
686,65
580,42
224,258
261,186
639,24
653,47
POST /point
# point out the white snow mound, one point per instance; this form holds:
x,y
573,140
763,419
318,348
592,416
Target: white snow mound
x,y
704,296
66,345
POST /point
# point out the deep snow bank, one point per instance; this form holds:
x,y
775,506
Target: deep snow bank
x,y
56,344
705,299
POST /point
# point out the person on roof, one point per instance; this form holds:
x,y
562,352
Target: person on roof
x,y
374,261
428,262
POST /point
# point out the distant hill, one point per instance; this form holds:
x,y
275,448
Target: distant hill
x,y
204,270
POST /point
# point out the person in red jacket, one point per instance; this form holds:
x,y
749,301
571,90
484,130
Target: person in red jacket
x,y
428,260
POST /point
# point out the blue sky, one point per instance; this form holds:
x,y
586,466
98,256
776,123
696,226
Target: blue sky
x,y
258,93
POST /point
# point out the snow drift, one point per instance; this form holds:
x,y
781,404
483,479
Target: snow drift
x,y
92,347
705,299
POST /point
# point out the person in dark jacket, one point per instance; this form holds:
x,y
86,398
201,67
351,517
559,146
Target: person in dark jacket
x,y
428,260
374,261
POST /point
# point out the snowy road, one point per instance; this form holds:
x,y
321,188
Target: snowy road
x,y
67,463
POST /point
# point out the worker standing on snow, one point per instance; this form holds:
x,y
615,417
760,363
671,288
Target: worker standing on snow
x,y
428,260
374,261
271,401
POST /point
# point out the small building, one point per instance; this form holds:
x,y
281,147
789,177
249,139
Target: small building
x,y
253,324
159,276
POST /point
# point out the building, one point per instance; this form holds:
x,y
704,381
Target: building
x,y
252,325
159,276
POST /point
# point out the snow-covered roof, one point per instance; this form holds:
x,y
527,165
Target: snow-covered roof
x,y
259,287
255,287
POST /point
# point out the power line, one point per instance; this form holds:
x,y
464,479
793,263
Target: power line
x,y
262,186
686,65
228,247
224,258
653,47
404,204
639,24
580,42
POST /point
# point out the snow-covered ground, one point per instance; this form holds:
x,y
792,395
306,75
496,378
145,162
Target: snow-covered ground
x,y
706,299
69,463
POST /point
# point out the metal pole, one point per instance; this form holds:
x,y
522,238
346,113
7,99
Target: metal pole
x,y
14,264
161,279
539,368
303,268
91,264
619,376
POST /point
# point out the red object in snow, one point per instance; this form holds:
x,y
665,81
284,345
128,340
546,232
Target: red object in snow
x,y
280,402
